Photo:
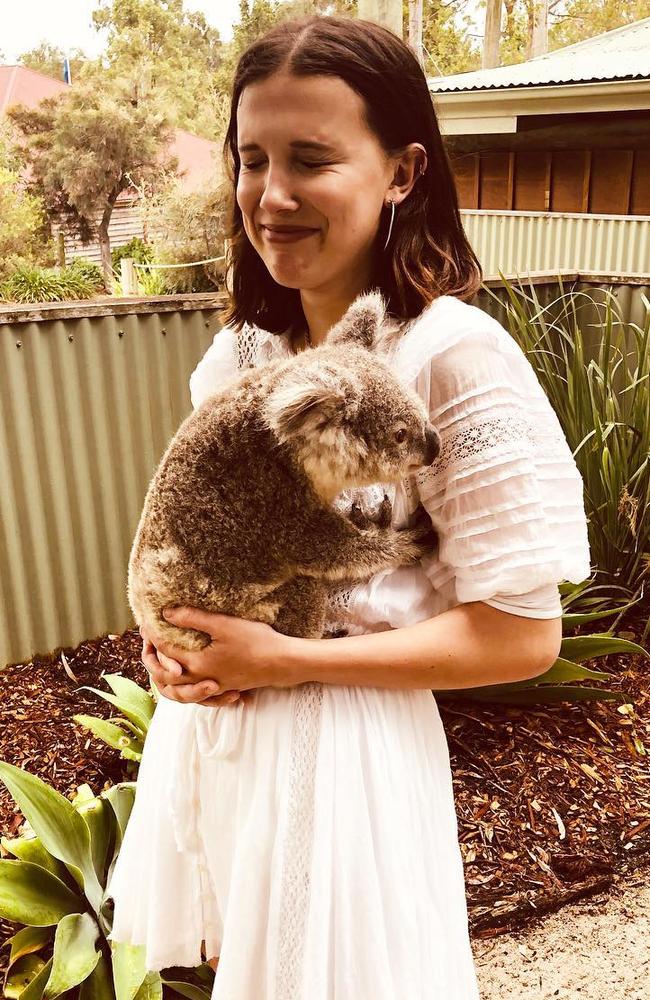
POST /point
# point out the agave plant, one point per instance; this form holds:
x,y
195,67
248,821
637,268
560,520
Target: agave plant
x,y
56,886
127,733
555,684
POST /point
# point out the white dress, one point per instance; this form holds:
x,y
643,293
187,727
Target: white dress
x,y
309,836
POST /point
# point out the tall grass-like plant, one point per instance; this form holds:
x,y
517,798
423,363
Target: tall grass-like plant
x,y
29,283
594,367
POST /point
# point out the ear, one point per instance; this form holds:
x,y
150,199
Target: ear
x,y
305,404
362,321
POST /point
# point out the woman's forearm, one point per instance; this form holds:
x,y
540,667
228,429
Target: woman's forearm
x,y
470,645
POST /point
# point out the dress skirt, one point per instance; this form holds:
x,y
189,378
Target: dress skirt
x,y
309,837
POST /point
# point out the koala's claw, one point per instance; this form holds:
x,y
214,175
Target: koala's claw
x,y
421,537
385,513
357,516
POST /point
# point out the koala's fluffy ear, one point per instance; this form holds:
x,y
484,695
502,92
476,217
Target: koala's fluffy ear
x,y
306,403
362,321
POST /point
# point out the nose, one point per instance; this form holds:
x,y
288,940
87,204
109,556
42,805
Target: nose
x,y
432,439
277,194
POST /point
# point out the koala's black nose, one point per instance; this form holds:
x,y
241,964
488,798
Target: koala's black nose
x,y
432,439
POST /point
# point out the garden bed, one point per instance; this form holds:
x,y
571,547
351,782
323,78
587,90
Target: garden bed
x,y
551,801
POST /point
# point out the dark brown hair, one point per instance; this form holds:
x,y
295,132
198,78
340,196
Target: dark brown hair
x,y
429,254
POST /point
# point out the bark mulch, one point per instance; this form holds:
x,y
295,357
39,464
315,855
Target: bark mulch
x,y
553,802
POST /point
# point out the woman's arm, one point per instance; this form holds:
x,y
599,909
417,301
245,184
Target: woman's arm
x,y
470,645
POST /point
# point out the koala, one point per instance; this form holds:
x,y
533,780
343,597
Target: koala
x,y
238,517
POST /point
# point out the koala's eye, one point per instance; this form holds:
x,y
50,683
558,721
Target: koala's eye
x,y
401,435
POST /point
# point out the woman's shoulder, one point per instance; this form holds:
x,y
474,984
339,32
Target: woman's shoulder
x,y
445,324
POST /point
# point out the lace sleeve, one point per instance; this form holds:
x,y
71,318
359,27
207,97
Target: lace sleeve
x,y
216,367
504,494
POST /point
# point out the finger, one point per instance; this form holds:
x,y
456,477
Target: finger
x,y
190,693
225,698
203,621
171,665
151,660
219,702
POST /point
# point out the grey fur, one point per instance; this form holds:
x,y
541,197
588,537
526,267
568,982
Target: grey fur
x,y
238,517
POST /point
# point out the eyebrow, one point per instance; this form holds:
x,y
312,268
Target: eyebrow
x,y
297,144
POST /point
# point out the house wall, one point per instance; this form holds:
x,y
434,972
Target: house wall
x,y
593,181
126,222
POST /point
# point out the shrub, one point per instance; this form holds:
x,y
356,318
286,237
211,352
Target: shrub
x,y
189,227
29,283
136,248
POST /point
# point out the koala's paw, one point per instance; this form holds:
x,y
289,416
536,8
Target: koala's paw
x,y
357,517
383,520
385,513
419,539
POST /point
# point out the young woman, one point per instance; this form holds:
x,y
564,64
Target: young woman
x,y
306,833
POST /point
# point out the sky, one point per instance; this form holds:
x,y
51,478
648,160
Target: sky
x,y
68,23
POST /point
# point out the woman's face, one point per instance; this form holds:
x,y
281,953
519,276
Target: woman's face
x,y
337,192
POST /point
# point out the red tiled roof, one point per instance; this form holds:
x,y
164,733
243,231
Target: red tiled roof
x,y
198,158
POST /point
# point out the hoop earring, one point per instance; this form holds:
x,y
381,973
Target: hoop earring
x,y
390,228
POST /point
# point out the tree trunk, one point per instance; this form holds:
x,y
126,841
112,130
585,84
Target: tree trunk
x,y
105,244
386,12
539,39
492,35
415,29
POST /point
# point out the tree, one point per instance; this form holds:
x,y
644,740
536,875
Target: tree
x,y
87,146
24,235
446,39
167,53
49,59
576,20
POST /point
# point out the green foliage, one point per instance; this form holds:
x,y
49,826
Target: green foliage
x,y
91,144
60,895
569,21
189,227
136,249
447,37
48,59
30,283
579,19
128,732
24,236
166,53
595,369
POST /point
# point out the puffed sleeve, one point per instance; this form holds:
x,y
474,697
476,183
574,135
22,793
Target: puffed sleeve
x,y
217,366
504,494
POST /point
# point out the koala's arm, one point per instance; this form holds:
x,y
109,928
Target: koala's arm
x,y
333,548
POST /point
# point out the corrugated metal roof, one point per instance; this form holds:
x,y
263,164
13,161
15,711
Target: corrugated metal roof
x,y
615,55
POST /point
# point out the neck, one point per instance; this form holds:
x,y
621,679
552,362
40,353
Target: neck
x,y
324,307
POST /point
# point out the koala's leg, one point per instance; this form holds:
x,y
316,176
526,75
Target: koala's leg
x,y
303,604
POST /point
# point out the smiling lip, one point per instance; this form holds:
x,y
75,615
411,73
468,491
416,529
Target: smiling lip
x,y
287,235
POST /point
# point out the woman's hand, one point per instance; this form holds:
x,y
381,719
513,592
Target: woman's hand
x,y
156,663
242,655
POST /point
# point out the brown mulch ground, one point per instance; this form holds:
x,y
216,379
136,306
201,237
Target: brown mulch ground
x,y
551,800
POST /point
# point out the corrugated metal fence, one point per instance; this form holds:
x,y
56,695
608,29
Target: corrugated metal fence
x,y
524,242
88,401
90,395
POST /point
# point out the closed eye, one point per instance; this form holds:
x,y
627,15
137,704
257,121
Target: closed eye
x,y
310,166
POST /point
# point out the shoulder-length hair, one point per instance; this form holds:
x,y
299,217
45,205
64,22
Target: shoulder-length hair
x,y
429,254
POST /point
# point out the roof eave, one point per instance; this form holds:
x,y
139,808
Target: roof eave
x,y
468,112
